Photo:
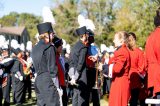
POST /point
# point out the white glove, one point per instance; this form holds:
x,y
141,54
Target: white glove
x,y
110,70
33,79
16,75
60,91
56,82
73,81
71,72
21,78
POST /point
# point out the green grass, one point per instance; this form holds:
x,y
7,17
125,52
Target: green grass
x,y
32,102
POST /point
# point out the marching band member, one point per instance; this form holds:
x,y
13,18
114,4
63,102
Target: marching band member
x,y
77,70
6,83
91,61
44,61
61,69
136,72
152,51
18,78
119,91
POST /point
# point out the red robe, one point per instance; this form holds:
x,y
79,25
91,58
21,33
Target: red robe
x,y
137,67
152,50
119,92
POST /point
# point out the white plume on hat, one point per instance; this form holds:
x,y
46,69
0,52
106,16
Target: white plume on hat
x,y
64,43
2,40
68,48
5,46
103,47
36,36
90,25
111,48
47,15
81,20
29,46
86,22
14,44
22,47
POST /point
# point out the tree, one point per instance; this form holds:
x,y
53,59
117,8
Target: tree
x,y
24,19
9,20
136,17
66,19
29,21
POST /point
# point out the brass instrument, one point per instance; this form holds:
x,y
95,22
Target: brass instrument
x,y
98,72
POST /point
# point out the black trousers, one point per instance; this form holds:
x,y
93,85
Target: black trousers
x,y
92,93
64,96
46,92
79,97
106,85
18,90
134,97
6,92
1,95
27,87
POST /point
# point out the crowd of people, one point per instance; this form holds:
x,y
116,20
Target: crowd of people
x,y
128,74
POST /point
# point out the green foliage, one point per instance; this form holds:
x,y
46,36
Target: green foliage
x,y
28,20
66,20
9,20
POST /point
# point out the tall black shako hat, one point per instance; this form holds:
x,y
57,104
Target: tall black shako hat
x,y
90,32
44,27
57,42
81,31
16,51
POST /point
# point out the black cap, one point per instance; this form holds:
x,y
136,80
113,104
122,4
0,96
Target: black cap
x,y
90,32
57,41
16,51
45,27
81,31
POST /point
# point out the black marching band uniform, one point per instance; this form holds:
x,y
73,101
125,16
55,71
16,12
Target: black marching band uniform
x,y
43,55
91,71
17,79
6,82
78,70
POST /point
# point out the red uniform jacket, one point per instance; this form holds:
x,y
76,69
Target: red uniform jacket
x,y
61,75
119,92
137,67
152,50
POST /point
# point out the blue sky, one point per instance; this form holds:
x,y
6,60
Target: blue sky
x,y
20,6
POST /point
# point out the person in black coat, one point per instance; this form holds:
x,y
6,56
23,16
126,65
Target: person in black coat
x,y
1,94
91,61
17,78
6,84
43,56
77,71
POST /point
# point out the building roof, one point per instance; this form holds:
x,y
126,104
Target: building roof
x,y
12,30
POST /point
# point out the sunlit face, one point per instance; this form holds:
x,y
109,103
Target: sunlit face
x,y
5,53
85,38
59,49
132,41
51,37
117,42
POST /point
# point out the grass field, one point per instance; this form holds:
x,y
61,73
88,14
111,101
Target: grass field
x,y
32,102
